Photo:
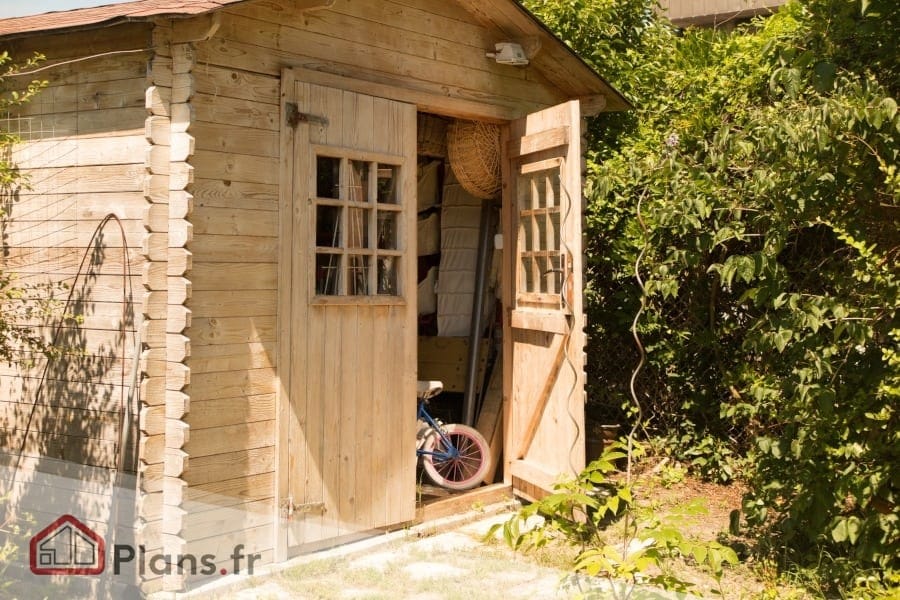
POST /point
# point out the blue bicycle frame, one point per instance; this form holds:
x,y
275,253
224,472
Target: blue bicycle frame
x,y
451,451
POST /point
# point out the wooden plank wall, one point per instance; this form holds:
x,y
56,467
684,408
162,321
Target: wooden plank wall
x,y
85,154
426,52
230,454
431,49
713,11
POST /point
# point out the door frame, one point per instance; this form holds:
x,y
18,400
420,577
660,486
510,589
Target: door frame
x,y
288,221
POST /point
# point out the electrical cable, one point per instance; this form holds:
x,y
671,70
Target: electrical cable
x,y
75,60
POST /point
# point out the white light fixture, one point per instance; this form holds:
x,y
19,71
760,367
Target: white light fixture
x,y
509,53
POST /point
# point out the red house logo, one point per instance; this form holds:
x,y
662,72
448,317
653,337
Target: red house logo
x,y
67,547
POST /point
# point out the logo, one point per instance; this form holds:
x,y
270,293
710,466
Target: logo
x,y
67,547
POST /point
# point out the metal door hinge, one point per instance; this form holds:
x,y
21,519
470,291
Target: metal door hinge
x,y
294,117
289,510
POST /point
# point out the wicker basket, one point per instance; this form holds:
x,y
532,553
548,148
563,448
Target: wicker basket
x,y
432,136
474,151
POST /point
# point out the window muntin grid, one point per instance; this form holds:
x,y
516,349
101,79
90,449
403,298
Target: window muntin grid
x,y
358,215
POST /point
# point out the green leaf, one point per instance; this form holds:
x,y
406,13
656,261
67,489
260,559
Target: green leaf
x,y
782,338
825,75
839,532
613,504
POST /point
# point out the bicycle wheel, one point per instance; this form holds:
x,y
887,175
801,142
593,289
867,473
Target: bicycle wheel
x,y
465,471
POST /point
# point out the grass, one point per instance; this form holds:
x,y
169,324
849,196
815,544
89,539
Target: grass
x,y
663,494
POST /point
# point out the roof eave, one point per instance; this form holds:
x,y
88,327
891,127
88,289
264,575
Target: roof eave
x,y
615,100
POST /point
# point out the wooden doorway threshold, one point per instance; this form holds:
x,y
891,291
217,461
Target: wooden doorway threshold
x,y
445,503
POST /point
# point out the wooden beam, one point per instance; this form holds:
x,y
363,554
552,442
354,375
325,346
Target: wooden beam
x,y
531,473
527,435
455,504
592,106
534,320
544,140
426,100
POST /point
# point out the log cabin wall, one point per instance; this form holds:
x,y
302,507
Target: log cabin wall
x,y
85,154
164,433
426,52
229,445
179,132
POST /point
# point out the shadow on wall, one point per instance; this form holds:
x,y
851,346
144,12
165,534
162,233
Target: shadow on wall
x,y
68,434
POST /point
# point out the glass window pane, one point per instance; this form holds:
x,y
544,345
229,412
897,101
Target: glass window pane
x,y
328,273
358,275
551,183
525,225
387,230
387,275
328,226
387,184
359,182
542,233
358,227
328,177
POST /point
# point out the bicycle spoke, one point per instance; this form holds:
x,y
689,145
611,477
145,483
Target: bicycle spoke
x,y
458,459
465,465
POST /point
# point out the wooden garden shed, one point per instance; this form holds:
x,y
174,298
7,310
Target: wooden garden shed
x,y
232,190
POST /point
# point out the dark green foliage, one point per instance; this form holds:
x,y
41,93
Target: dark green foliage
x,y
764,162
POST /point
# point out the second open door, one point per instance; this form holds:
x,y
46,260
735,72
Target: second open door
x,y
543,331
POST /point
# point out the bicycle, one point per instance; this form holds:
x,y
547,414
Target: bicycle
x,y
454,456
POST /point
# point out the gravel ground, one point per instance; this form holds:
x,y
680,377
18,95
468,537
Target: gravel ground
x,y
452,564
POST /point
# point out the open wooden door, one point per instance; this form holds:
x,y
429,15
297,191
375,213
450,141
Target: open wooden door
x,y
544,328
347,322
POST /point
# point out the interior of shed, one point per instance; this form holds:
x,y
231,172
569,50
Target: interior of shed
x,y
459,268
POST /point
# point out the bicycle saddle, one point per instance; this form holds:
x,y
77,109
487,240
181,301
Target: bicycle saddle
x,y
428,389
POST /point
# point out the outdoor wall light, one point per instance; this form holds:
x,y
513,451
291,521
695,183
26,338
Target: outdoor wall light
x,y
509,53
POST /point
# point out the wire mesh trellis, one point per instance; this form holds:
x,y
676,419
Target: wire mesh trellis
x,y
680,394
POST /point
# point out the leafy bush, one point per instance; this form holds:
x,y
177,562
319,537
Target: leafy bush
x,y
756,188
580,511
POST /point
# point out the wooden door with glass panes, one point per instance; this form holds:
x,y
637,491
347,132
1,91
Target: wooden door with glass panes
x,y
347,330
544,331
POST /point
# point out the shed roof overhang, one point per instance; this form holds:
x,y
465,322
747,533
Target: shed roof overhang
x,y
556,61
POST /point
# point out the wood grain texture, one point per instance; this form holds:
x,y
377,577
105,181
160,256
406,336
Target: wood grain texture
x,y
543,344
358,462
